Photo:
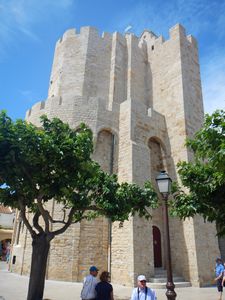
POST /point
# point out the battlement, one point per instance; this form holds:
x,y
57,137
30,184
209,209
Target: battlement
x,y
177,30
85,31
174,32
116,67
147,38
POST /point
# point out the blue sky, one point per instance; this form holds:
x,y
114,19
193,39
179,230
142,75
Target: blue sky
x,y
29,30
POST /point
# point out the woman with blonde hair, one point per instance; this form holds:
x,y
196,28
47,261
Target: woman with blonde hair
x,y
104,289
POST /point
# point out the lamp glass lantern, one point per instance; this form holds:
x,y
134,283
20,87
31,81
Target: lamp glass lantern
x,y
164,182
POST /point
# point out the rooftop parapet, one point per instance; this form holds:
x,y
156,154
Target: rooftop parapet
x,y
106,35
85,31
148,33
177,31
69,33
120,37
88,30
192,40
151,39
131,37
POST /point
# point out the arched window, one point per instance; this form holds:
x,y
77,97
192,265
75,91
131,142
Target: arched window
x,y
106,151
156,157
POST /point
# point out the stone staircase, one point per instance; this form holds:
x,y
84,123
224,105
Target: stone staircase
x,y
160,278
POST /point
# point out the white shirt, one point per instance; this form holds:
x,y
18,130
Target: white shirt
x,y
141,295
88,291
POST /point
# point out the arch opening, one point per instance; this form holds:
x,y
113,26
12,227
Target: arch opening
x,y
157,249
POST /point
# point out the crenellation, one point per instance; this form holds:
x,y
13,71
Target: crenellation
x,y
121,38
36,107
28,113
159,41
70,33
106,36
192,40
136,70
149,37
118,71
132,38
89,31
42,105
177,32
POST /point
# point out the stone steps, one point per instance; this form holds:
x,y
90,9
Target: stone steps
x,y
161,285
160,278
163,279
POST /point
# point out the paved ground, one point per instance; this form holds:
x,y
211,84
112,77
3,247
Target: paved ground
x,y
14,287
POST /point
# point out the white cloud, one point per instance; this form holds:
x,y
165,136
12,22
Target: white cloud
x,y
127,28
26,93
28,97
213,81
19,17
195,15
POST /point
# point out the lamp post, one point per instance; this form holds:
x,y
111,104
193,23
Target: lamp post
x,y
164,183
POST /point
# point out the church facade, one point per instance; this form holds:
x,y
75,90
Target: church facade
x,y
141,97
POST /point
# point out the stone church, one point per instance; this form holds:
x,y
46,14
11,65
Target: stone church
x,y
141,97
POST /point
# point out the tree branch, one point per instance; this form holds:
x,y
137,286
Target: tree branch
x,y
57,221
93,208
68,223
36,223
43,212
24,218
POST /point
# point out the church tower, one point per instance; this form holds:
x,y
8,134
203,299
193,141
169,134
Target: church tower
x,y
141,97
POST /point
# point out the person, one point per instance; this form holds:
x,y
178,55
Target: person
x,y
4,251
8,253
223,280
88,291
0,250
104,289
142,292
219,271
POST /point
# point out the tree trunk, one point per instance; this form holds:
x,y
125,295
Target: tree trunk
x,y
40,249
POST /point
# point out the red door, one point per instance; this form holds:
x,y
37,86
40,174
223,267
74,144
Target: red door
x,y
157,247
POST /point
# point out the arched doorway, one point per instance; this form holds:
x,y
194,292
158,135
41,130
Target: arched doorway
x,y
5,249
157,247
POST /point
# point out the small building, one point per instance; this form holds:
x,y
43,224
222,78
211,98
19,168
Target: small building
x,y
7,216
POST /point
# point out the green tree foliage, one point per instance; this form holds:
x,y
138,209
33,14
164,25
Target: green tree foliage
x,y
54,162
205,176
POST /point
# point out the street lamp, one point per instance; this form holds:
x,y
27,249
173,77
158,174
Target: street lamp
x,y
164,184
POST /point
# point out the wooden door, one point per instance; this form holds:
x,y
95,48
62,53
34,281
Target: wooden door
x,y
157,247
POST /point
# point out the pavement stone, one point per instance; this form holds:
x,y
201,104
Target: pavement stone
x,y
14,287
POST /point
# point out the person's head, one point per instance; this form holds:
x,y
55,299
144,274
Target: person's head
x,y
93,271
219,261
105,276
141,280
